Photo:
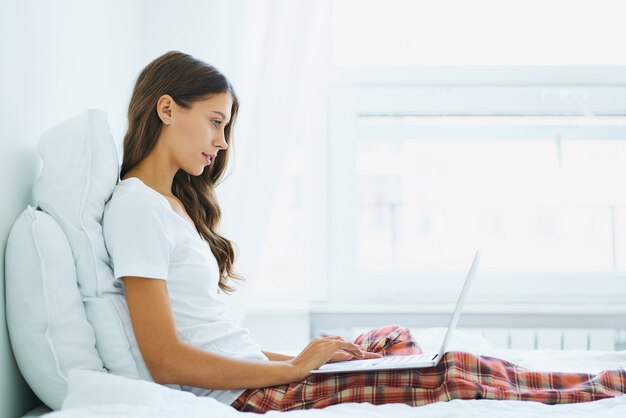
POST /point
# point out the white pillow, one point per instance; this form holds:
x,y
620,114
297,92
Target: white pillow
x,y
80,171
90,392
47,324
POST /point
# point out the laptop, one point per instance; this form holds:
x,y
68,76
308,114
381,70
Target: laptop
x,y
409,361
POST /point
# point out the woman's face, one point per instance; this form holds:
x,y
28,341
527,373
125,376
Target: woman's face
x,y
196,135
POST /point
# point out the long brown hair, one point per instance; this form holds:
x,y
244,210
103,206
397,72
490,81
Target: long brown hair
x,y
187,80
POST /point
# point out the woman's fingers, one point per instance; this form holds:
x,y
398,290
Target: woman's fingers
x,y
350,348
340,356
321,350
371,355
345,356
335,343
339,343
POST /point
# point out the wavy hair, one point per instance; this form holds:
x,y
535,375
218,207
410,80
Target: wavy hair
x,y
187,80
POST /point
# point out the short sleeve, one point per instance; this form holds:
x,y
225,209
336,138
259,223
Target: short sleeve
x,y
136,237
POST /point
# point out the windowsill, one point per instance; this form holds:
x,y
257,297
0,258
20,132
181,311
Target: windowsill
x,y
304,308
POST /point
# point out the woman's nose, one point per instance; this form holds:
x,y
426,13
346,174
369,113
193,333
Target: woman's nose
x,y
221,140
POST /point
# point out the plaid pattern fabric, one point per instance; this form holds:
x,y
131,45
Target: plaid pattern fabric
x,y
458,375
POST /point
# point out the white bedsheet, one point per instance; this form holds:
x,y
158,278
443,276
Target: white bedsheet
x,y
93,394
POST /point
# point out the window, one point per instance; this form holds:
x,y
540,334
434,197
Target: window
x,y
425,175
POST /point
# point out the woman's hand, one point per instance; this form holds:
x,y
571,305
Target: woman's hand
x,y
322,350
343,356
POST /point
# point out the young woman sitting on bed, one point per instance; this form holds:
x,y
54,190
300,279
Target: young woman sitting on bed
x,y
160,228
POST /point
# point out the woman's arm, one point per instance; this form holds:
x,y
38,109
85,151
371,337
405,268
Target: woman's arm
x,y
192,366
277,356
170,361
337,356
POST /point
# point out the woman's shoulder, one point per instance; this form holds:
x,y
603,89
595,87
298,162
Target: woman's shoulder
x,y
128,199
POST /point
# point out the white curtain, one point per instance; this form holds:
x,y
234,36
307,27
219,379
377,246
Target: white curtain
x,y
279,72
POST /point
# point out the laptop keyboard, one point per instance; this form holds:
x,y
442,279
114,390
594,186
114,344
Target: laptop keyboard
x,y
395,360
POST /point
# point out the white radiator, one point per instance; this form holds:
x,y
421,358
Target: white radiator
x,y
534,338
553,338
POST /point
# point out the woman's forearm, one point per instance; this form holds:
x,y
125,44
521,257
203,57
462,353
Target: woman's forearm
x,y
184,364
277,356
190,366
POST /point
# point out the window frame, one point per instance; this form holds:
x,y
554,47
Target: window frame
x,y
521,90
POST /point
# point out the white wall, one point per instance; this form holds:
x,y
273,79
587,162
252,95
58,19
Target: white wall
x,y
58,58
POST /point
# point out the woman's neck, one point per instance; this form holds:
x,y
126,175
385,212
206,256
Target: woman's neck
x,y
156,172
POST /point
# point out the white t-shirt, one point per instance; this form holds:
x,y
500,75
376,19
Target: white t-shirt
x,y
145,237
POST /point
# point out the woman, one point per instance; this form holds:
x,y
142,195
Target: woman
x,y
160,228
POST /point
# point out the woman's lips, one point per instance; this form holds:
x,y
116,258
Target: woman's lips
x,y
207,158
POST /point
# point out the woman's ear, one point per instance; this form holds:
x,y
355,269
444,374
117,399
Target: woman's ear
x,y
164,108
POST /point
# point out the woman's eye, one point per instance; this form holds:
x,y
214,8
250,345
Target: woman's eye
x,y
218,122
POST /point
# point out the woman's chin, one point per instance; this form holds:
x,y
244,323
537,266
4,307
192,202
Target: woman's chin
x,y
193,171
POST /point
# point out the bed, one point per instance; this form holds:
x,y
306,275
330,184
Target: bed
x,y
70,328
93,394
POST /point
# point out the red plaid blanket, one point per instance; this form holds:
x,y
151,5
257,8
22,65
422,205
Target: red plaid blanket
x,y
458,375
